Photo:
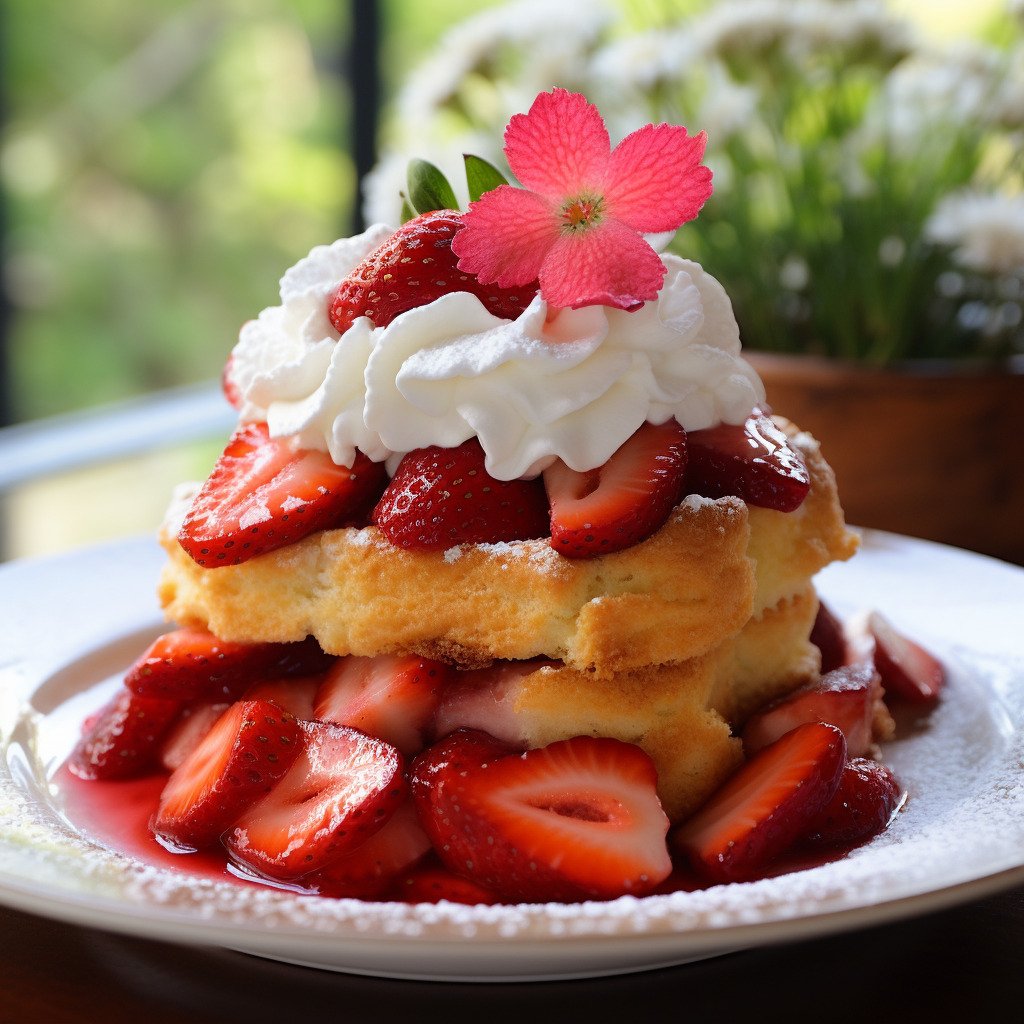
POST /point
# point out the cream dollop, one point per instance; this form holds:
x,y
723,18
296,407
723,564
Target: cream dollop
x,y
554,383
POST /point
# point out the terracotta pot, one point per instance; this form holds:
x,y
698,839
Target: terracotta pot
x,y
932,451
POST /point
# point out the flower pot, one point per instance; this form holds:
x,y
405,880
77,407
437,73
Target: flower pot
x,y
933,450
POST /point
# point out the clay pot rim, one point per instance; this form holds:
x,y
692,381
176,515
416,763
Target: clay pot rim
x,y
798,364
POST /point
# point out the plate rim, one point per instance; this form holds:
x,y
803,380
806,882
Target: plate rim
x,y
144,920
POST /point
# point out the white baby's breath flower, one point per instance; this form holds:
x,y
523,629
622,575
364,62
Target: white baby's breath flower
x,y
864,30
644,61
985,230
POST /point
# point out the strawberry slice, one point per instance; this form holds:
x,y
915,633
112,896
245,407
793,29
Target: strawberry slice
x,y
845,698
248,749
263,495
430,883
906,668
188,732
413,267
370,869
339,791
392,697
622,502
123,739
576,819
191,664
754,461
828,636
296,696
440,497
766,806
485,699
866,801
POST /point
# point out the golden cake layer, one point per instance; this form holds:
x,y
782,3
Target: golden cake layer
x,y
677,596
680,714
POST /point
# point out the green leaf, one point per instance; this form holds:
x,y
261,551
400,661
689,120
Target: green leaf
x,y
481,176
407,211
429,188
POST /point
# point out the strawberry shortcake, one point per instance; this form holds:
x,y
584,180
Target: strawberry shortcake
x,y
508,569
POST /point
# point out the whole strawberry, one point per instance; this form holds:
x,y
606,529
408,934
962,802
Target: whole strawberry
x,y
412,268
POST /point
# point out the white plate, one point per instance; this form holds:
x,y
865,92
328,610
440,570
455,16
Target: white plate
x,y
72,624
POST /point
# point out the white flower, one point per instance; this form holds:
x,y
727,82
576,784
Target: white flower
x,y
741,30
986,230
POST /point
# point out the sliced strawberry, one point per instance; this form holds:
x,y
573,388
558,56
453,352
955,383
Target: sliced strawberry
x,y
371,868
845,698
392,697
188,732
263,494
413,267
248,749
828,636
865,803
296,696
431,883
761,811
755,462
577,819
440,497
622,502
341,789
906,668
191,664
228,385
486,699
123,739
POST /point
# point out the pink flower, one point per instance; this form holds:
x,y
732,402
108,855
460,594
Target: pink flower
x,y
577,224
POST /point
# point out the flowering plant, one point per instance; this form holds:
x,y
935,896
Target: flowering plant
x,y
868,185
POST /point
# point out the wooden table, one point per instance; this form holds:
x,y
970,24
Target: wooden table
x,y
964,964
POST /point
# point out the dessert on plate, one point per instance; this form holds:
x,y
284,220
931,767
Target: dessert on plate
x,y
503,587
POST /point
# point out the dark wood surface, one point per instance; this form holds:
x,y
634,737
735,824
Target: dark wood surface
x,y
963,964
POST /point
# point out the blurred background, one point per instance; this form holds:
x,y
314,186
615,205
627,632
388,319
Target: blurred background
x,y
161,164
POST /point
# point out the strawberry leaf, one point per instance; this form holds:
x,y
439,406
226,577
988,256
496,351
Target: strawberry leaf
x,y
481,176
408,213
429,188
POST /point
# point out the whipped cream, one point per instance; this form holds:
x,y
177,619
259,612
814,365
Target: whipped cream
x,y
572,384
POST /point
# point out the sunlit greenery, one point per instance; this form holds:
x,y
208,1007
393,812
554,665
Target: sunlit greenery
x,y
162,164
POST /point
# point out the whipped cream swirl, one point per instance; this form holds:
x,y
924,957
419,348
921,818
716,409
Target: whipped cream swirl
x,y
572,384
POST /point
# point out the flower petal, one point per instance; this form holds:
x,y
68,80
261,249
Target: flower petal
x,y
559,146
609,265
656,181
505,236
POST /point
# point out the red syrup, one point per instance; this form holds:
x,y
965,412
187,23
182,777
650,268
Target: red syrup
x,y
116,813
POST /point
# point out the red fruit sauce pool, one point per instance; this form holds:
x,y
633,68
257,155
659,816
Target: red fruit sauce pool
x,y
117,813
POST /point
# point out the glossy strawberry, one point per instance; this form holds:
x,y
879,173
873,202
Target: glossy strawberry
x,y
413,267
828,635
191,664
754,461
766,806
440,497
622,502
188,732
294,695
576,819
123,739
863,805
374,865
248,749
263,495
339,791
907,669
845,698
431,883
390,696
